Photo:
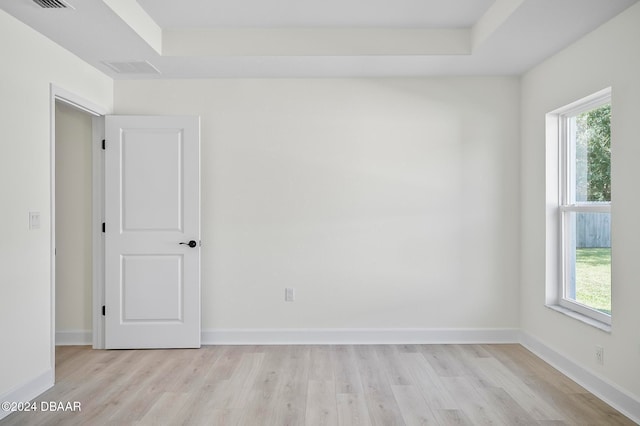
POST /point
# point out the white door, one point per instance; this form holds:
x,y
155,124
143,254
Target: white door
x,y
152,232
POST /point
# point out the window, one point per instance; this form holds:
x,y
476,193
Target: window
x,y
584,207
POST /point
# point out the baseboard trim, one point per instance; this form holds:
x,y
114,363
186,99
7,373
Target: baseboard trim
x,y
294,336
362,336
28,391
606,391
74,338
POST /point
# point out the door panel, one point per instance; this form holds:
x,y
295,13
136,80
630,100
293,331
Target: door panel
x,y
152,204
152,198
157,275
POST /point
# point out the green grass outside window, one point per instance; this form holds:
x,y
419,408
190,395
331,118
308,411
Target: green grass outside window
x,y
593,278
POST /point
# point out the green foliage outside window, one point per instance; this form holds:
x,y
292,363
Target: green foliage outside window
x,y
593,154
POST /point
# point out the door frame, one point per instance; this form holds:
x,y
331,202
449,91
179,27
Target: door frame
x,y
97,112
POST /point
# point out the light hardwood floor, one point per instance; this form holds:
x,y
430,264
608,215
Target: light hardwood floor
x,y
316,385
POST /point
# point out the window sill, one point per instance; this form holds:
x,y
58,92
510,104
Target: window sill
x,y
583,318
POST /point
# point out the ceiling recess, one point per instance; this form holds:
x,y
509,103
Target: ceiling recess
x,y
52,4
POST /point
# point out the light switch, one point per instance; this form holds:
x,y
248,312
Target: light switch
x,y
34,220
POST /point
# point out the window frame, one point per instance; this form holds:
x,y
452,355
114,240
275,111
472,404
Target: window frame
x,y
566,204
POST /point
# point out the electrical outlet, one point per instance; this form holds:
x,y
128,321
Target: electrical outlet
x,y
289,294
600,355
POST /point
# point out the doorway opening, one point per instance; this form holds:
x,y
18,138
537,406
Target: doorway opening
x,y
73,222
77,127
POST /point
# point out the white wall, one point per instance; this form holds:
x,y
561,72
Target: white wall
x,y
30,63
390,203
610,56
73,220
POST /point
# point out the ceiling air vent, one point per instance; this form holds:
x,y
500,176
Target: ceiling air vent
x,y
52,4
139,67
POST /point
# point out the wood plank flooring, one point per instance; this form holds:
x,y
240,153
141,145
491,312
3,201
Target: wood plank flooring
x,y
316,385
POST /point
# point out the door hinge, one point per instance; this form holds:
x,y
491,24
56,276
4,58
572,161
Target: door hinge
x,y
104,144
104,227
104,310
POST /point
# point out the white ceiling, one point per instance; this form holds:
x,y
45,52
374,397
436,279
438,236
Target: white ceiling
x,y
310,38
314,13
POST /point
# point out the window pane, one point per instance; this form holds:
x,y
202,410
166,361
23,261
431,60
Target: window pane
x,y
591,132
589,260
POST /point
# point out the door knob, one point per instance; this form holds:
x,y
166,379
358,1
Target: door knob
x,y
191,244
